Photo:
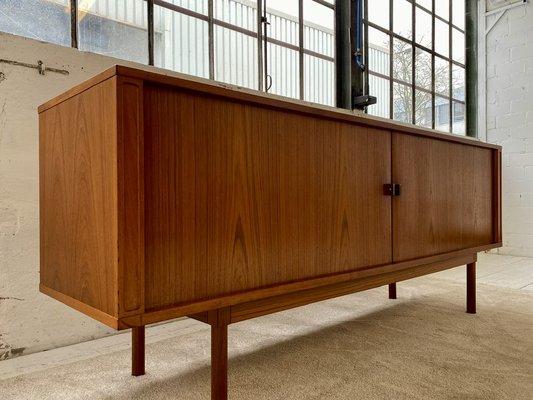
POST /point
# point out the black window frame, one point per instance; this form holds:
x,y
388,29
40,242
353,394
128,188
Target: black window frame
x,y
450,97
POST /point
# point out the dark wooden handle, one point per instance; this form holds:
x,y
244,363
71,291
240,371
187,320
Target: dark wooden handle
x,y
391,189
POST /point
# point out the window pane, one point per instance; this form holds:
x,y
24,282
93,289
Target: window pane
x,y
378,12
459,111
380,88
458,9
319,80
442,9
402,63
37,19
199,6
288,8
442,38
283,68
317,14
458,83
442,76
442,114
243,15
403,103
115,29
423,70
423,109
378,51
235,58
426,3
458,46
423,28
319,24
180,42
283,21
403,18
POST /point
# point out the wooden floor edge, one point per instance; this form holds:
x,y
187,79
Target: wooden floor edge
x,y
449,260
92,312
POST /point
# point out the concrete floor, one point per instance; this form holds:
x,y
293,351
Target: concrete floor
x,y
498,270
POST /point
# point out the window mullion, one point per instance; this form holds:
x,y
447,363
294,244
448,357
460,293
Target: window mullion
x,y
413,63
151,32
450,49
301,46
391,63
433,83
74,23
211,38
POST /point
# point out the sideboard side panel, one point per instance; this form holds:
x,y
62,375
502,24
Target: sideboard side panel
x,y
78,198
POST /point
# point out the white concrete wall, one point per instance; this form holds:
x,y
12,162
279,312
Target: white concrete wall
x,y
509,117
30,321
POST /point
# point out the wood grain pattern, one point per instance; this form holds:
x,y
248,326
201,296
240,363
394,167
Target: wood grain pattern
x,y
253,97
203,305
248,310
92,312
446,202
163,197
234,93
78,197
240,197
130,165
78,89
219,321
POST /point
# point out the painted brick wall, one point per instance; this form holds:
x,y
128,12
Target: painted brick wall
x,y
510,119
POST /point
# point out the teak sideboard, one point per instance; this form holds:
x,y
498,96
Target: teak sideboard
x,y
164,196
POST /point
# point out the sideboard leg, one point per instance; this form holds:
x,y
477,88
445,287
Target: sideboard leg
x,y
392,290
219,321
471,288
137,350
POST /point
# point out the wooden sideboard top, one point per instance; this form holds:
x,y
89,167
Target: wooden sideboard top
x,y
235,93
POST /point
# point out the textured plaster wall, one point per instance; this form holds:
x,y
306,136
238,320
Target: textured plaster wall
x,y
509,119
29,320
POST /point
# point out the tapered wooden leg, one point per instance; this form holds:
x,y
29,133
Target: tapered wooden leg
x,y
392,291
137,350
471,288
219,321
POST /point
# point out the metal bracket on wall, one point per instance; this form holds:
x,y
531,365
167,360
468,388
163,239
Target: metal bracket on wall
x,y
500,12
40,67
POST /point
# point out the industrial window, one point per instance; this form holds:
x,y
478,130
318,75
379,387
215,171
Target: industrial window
x,y
415,58
47,21
283,47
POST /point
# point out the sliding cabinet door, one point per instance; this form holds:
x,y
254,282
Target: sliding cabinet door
x,y
446,201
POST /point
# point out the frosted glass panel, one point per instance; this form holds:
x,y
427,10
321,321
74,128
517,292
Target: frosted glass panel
x,y
181,42
47,21
115,29
236,58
